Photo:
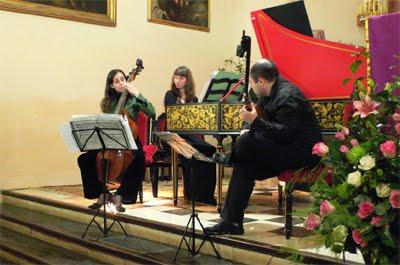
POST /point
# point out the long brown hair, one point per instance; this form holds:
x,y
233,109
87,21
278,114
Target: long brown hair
x,y
189,87
110,93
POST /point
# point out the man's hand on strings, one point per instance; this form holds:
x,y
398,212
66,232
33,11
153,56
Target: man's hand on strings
x,y
249,116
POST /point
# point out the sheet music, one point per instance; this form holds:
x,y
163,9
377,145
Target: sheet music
x,y
69,140
181,146
115,131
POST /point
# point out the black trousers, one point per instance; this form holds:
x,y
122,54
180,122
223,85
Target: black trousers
x,y
254,158
130,182
202,174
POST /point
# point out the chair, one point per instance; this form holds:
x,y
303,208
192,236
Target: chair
x,y
144,134
294,178
302,180
162,157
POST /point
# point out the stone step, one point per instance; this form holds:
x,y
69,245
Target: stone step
x,y
145,230
23,249
113,249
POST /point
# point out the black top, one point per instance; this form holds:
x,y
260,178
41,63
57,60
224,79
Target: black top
x,y
289,119
171,98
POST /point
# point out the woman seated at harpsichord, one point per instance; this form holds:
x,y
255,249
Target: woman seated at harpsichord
x,y
182,91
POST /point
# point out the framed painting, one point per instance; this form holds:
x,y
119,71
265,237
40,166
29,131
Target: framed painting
x,y
100,12
191,14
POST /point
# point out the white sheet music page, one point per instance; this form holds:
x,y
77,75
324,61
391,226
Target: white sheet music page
x,y
69,140
114,130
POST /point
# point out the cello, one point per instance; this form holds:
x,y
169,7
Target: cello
x,y
115,162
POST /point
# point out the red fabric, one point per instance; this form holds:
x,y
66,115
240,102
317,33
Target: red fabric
x,y
143,128
288,175
149,151
161,125
316,66
348,111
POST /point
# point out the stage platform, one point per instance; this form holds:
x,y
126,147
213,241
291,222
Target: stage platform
x,y
158,220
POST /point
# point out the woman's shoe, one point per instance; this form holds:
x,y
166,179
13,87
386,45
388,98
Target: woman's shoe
x,y
100,201
117,201
94,206
124,201
120,208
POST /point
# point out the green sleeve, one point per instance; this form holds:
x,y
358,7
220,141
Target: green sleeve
x,y
140,103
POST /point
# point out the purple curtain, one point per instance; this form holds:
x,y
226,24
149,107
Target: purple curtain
x,y
384,38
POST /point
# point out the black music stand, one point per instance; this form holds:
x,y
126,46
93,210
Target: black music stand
x,y
101,136
180,146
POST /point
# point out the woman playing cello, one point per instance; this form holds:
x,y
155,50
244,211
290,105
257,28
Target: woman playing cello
x,y
131,178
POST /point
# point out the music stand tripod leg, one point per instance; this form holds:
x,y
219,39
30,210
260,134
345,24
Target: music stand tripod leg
x,y
103,229
93,220
105,164
192,219
207,238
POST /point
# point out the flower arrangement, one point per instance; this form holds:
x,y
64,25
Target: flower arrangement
x,y
360,208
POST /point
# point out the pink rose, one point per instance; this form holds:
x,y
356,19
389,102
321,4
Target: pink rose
x,y
320,149
397,128
396,117
388,149
312,221
395,199
353,142
326,208
376,220
365,208
340,136
344,149
357,237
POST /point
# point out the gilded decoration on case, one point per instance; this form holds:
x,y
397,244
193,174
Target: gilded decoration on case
x,y
231,118
329,113
201,117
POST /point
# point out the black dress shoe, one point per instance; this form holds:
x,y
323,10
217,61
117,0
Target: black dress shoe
x,y
225,227
222,159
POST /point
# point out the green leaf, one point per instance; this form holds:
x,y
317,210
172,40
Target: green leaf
x,y
370,236
345,81
371,83
354,66
361,86
389,243
381,208
394,185
337,248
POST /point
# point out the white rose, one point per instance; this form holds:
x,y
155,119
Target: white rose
x,y
354,178
383,190
366,162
